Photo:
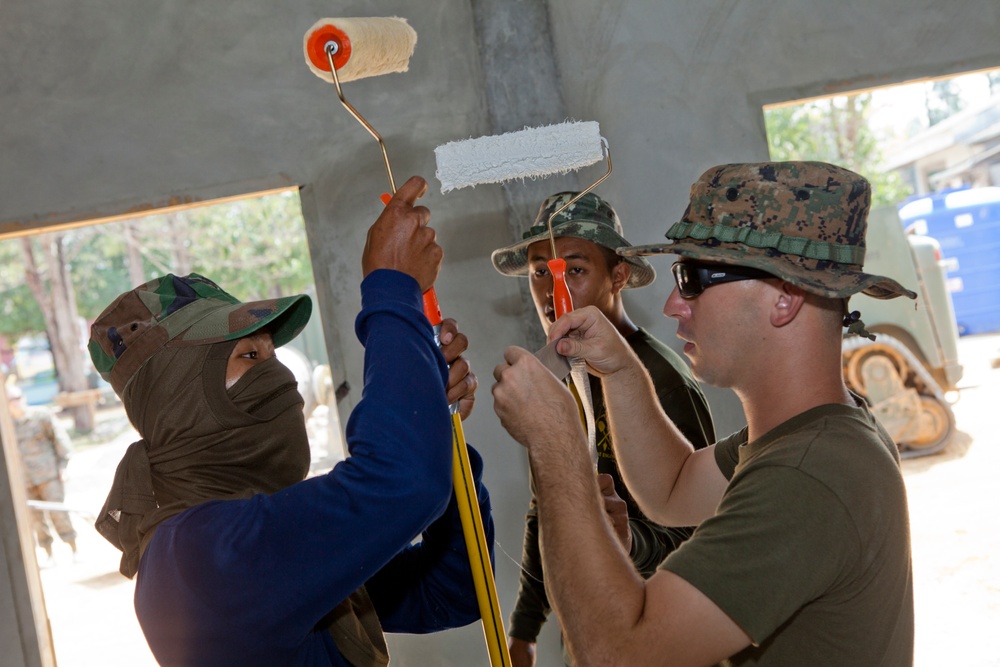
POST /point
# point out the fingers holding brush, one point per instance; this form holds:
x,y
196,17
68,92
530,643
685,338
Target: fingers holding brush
x,y
401,239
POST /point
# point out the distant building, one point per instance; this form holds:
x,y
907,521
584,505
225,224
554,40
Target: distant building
x,y
961,151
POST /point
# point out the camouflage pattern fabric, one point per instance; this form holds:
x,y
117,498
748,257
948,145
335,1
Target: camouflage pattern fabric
x,y
803,222
44,446
175,311
51,491
589,218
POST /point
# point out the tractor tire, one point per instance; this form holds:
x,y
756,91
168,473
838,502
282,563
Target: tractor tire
x,y
922,422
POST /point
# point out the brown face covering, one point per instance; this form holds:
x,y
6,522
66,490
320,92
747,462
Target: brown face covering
x,y
201,442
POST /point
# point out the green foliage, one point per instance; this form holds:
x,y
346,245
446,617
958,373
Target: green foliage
x,y
834,130
254,248
19,314
98,267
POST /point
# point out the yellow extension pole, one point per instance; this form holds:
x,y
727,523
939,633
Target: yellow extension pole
x,y
475,543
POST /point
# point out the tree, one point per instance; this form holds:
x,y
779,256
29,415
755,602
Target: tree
x,y
942,99
834,130
255,248
19,313
50,284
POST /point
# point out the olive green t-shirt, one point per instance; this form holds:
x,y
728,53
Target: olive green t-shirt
x,y
809,549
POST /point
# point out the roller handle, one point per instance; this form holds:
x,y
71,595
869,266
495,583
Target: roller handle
x,y
432,311
562,301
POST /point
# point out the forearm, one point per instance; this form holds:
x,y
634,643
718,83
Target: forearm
x,y
532,605
595,611
650,450
401,428
428,586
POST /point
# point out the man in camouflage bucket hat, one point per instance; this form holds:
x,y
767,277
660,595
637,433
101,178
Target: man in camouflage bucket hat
x,y
587,234
589,218
802,551
803,222
240,559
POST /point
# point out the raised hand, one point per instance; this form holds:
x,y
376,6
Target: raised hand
x,y
587,334
532,404
401,239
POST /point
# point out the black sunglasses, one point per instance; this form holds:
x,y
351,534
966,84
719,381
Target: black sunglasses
x,y
693,279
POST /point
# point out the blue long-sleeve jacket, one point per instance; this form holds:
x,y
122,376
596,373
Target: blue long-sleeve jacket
x,y
245,582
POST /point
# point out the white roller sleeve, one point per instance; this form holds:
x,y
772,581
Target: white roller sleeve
x,y
378,46
527,153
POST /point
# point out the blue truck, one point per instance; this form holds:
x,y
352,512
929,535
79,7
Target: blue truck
x,y
966,224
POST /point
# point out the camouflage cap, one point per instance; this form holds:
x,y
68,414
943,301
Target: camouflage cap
x,y
590,218
803,222
176,312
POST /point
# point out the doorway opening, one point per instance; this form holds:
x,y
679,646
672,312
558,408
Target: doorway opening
x,y
53,285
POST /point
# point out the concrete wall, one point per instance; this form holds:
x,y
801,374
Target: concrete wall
x,y
111,106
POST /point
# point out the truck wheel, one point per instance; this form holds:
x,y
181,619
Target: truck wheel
x,y
932,431
856,362
902,394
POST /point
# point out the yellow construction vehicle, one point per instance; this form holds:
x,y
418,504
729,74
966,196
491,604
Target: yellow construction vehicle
x,y
910,373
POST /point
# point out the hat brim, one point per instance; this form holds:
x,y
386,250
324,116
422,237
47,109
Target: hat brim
x,y
836,283
513,259
284,318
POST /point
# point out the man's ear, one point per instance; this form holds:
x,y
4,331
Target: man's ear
x,y
787,303
620,274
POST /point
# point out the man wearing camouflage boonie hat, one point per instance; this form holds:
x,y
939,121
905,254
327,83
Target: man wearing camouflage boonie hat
x,y
587,232
802,551
803,222
241,560
590,218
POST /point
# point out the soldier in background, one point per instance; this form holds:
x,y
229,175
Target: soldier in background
x,y
587,234
45,447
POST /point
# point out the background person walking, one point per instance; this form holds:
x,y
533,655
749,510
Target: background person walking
x,y
45,448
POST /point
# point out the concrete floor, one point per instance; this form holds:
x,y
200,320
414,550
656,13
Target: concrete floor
x,y
956,527
954,520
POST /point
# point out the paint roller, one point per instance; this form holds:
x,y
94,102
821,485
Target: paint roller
x,y
534,153
528,153
382,45
345,49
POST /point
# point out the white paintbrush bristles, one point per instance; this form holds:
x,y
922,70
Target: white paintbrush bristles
x,y
379,45
527,153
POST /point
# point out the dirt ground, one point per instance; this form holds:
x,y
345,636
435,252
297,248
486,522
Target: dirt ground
x,y
953,516
955,525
